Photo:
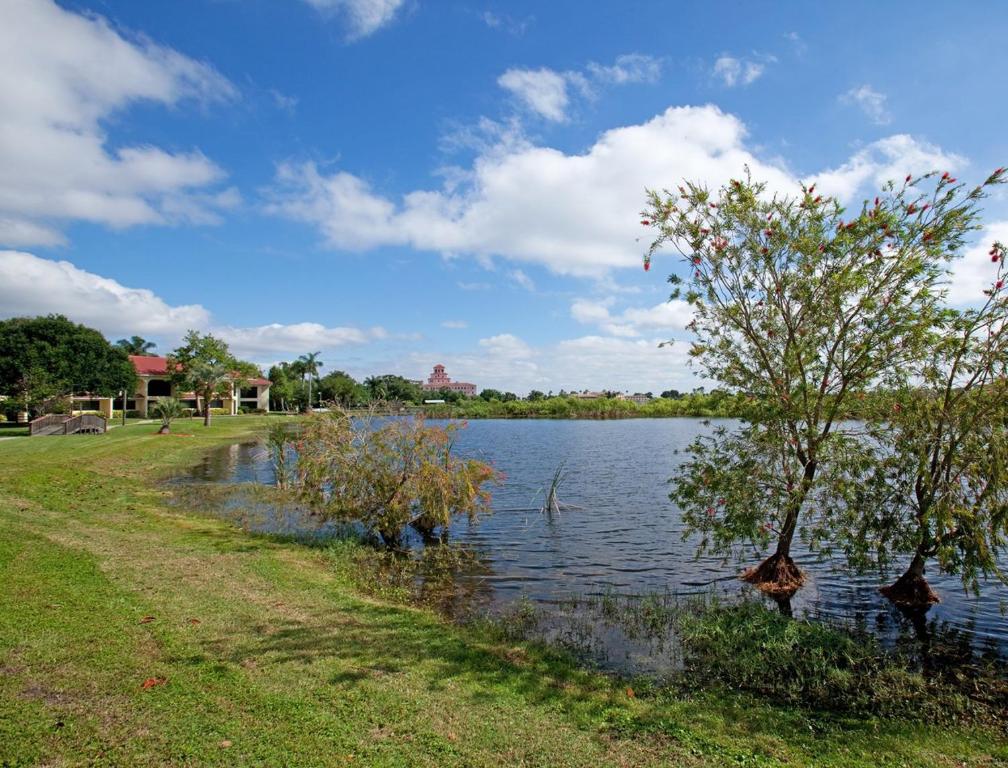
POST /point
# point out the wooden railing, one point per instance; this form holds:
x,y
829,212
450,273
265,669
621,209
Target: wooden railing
x,y
90,423
61,424
42,424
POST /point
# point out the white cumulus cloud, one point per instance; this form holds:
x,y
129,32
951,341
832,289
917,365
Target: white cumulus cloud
x,y
541,90
572,213
667,317
30,285
61,75
888,159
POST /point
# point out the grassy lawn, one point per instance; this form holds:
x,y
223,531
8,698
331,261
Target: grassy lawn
x,y
257,652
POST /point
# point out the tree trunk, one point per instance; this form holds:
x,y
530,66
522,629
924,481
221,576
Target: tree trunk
x,y
911,590
165,429
206,411
778,575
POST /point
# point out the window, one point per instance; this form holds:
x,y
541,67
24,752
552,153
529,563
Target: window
x,y
249,393
158,388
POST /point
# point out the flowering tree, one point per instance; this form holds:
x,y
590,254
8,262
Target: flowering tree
x,y
388,476
941,490
803,307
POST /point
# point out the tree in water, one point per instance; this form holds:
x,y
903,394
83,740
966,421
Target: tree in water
x,y
388,476
802,307
941,491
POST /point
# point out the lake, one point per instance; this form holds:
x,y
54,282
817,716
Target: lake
x,y
626,536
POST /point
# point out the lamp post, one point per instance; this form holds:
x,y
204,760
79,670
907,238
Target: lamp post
x,y
122,394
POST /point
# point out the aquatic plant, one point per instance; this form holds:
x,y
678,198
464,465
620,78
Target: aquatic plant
x,y
280,441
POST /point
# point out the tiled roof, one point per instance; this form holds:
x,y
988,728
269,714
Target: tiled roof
x,y
149,365
156,365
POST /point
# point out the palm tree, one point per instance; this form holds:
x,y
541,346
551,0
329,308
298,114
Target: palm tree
x,y
377,386
311,364
135,345
167,408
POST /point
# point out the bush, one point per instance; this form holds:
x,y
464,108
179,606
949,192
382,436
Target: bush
x,y
802,662
388,476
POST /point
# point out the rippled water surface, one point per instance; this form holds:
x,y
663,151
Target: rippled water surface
x,y
626,535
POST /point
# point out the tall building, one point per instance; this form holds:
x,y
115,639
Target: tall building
x,y
439,380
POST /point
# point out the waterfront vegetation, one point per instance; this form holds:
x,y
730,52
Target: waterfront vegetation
x,y
809,307
137,628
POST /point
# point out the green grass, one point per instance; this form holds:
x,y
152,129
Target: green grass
x,y
272,657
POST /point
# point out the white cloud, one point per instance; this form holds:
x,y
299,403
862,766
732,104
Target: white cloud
x,y
628,68
974,272
507,362
63,74
546,92
574,214
734,71
541,90
455,324
507,23
870,101
667,317
888,159
362,17
30,285
519,277
266,341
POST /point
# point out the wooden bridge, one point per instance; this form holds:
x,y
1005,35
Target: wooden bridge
x,y
62,424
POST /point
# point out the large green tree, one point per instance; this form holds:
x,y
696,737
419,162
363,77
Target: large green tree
x,y
287,387
46,357
205,364
803,306
341,388
940,493
394,388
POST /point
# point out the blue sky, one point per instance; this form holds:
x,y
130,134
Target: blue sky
x,y
398,183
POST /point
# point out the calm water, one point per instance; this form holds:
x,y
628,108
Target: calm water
x,y
627,535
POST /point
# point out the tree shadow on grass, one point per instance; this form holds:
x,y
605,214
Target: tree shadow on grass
x,y
373,641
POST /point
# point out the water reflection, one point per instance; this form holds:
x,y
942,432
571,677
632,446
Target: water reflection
x,y
627,535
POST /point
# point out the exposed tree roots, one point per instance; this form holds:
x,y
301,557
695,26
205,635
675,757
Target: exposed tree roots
x,y
777,576
911,590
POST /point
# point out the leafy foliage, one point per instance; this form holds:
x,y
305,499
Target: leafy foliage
x,y
136,345
803,307
941,490
168,409
46,357
205,364
388,476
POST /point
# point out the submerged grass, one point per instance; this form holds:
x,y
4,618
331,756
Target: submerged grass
x,y
258,651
